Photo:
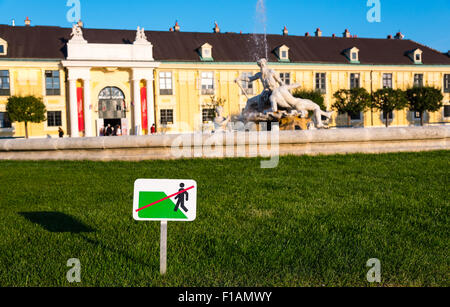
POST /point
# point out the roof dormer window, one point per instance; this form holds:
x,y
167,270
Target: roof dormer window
x,y
3,47
282,53
416,56
352,55
206,52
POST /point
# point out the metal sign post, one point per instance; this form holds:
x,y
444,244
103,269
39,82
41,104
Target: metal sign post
x,y
163,249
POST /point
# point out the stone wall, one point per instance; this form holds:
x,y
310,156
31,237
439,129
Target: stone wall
x,y
248,144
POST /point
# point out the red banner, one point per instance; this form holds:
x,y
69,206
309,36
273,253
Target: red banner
x,y
144,108
80,109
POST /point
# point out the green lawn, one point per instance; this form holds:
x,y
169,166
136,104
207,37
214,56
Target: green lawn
x,y
312,221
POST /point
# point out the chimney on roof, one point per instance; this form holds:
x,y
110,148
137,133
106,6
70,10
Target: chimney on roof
x,y
80,23
399,35
333,36
216,27
285,31
307,34
318,32
346,34
355,36
171,29
389,36
27,22
13,23
176,27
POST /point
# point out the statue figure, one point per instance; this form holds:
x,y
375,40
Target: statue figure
x,y
221,122
77,34
140,36
276,94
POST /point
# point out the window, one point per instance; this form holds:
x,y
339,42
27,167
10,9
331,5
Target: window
x,y
447,83
286,77
321,84
52,84
3,47
4,83
206,52
247,86
4,120
207,83
387,80
354,81
282,53
166,116
54,119
391,115
418,80
208,115
447,111
355,116
165,83
352,54
416,115
418,57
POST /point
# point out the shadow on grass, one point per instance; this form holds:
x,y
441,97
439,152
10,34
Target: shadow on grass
x,y
56,222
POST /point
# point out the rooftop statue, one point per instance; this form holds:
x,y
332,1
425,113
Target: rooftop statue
x,y
276,100
77,34
140,36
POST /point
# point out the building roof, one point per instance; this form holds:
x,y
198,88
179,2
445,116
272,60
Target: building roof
x,y
45,42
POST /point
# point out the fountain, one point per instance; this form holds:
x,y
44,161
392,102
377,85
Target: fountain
x,y
275,103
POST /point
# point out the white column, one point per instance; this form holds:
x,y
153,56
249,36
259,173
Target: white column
x,y
150,105
87,108
137,107
74,132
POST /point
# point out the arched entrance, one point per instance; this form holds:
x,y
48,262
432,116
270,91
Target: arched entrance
x,y
112,107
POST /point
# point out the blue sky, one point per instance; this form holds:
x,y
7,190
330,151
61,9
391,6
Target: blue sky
x,y
424,21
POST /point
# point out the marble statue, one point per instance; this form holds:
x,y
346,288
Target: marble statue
x,y
276,95
220,121
140,36
77,34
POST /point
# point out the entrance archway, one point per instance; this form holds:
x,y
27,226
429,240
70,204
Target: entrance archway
x,y
111,103
112,108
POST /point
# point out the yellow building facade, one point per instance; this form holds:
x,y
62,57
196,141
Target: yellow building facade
x,y
187,100
87,85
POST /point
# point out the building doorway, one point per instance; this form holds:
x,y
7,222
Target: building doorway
x,y
113,122
112,108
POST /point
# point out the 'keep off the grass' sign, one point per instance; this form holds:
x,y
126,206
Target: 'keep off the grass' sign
x,y
165,200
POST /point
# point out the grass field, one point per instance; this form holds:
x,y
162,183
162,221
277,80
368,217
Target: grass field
x,y
313,221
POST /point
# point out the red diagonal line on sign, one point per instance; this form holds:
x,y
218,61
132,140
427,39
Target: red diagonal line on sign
x,y
170,196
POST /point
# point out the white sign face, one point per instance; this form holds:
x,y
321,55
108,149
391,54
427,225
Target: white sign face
x,y
165,200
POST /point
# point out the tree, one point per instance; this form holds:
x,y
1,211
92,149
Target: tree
x,y
314,96
350,102
26,109
423,99
388,100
